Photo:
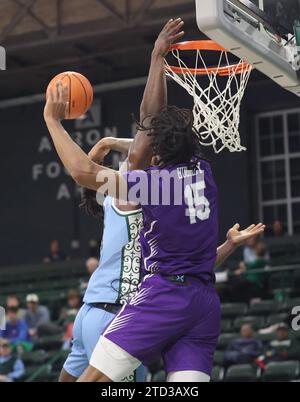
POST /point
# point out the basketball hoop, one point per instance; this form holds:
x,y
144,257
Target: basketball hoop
x,y
217,104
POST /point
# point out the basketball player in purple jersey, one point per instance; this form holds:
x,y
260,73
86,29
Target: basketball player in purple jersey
x,y
176,311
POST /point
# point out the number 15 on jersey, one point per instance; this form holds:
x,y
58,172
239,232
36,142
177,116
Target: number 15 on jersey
x,y
197,203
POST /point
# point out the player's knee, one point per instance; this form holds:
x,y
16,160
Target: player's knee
x,y
91,374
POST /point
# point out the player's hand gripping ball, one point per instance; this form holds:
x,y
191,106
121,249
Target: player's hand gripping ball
x,y
80,93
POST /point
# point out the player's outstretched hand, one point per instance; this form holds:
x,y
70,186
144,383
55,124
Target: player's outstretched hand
x,y
57,103
171,32
238,237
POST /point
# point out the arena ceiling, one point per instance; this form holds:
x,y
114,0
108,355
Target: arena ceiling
x,y
108,40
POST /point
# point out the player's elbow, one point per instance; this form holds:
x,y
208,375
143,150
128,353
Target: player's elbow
x,y
77,176
82,175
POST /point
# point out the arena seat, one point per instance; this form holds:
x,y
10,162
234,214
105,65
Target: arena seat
x,y
282,371
289,304
218,358
52,342
263,307
256,321
266,337
242,373
226,325
29,372
217,374
225,339
233,309
35,357
276,318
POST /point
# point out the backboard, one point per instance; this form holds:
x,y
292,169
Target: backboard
x,y
261,32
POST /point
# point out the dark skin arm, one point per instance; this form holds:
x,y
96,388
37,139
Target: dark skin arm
x,y
83,170
155,94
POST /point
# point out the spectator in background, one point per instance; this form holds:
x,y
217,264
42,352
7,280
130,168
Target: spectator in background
x,y
13,301
11,367
36,315
261,260
244,349
68,315
91,265
244,285
55,253
277,228
249,254
16,331
283,348
38,318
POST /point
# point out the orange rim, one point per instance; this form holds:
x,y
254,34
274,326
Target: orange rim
x,y
208,45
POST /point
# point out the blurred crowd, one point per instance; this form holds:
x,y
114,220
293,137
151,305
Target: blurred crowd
x,y
25,325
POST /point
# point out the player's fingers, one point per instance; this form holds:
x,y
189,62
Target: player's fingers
x,y
176,28
257,231
258,226
66,111
168,23
178,36
50,95
65,93
249,228
56,92
167,26
174,24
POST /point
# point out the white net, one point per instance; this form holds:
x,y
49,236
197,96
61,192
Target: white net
x,y
217,103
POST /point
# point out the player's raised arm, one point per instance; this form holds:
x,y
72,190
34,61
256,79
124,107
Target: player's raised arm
x,y
83,170
235,239
155,94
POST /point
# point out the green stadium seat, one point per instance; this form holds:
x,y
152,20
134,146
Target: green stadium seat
x,y
160,376
263,307
29,371
266,337
288,305
52,342
35,357
217,374
226,326
282,371
277,318
233,309
225,339
59,362
242,373
257,322
218,358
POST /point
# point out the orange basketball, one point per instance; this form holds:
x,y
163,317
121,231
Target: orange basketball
x,y
80,92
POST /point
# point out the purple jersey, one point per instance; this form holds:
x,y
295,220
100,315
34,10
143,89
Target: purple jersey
x,y
180,231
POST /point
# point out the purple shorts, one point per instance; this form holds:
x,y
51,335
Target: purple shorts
x,y
178,322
